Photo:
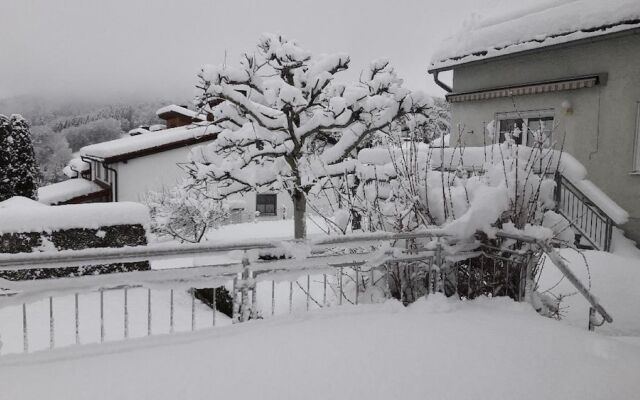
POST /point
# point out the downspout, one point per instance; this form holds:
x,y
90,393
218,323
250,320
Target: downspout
x,y
440,83
115,183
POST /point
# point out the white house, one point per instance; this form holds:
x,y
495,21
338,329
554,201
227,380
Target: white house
x,y
126,169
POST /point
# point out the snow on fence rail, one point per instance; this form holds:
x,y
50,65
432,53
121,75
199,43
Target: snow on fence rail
x,y
334,271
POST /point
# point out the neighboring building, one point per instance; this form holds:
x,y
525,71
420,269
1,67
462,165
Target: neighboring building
x,y
149,159
571,68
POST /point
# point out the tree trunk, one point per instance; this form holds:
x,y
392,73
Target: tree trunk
x,y
299,214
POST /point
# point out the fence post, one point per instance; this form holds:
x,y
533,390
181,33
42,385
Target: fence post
x,y
241,309
557,191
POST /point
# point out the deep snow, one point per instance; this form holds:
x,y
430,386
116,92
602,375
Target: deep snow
x,y
438,349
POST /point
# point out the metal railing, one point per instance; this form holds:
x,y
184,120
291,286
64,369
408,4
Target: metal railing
x,y
585,217
333,271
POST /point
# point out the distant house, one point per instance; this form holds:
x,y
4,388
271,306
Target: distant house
x,y
568,69
126,169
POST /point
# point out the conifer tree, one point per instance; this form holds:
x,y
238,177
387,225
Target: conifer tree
x,y
18,167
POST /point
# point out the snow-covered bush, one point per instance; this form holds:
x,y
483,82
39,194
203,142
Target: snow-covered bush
x,y
18,167
468,192
285,123
184,214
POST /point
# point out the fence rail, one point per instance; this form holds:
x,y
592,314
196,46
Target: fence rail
x,y
330,271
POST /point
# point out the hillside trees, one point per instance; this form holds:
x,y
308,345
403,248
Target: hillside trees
x,y
52,153
97,131
286,123
18,168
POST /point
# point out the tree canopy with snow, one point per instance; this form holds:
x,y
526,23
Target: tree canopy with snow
x,y
285,122
18,168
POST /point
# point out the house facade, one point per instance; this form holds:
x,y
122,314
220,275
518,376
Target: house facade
x,y
580,87
127,169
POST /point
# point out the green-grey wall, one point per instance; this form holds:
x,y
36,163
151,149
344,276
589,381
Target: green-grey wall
x,y
599,132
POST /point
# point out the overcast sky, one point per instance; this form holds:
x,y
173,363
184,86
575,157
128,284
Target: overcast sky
x,y
155,47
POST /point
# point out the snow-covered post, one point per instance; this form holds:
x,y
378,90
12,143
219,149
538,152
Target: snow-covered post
x,y
242,310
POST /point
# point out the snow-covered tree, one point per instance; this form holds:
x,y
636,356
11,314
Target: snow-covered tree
x,y
184,214
286,123
18,168
52,153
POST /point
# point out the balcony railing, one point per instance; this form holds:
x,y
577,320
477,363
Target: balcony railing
x,y
586,218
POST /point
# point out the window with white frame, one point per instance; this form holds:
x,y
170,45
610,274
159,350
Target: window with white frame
x,y
266,204
101,172
636,148
525,127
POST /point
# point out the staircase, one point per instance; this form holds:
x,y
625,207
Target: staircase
x,y
591,224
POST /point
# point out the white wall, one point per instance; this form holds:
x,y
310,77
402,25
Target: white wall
x,y
138,176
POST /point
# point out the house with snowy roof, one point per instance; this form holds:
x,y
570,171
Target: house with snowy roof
x,y
126,169
148,159
567,69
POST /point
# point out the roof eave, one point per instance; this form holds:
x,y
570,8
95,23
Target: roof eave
x,y
591,39
160,148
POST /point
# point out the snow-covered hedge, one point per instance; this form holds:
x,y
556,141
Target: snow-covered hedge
x,y
28,226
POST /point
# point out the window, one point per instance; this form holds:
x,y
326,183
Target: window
x,y
101,172
525,125
636,152
266,204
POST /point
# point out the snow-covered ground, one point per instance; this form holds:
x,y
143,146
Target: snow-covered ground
x,y
614,279
438,348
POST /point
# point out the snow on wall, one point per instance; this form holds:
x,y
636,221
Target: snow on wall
x,y
542,25
130,144
23,215
66,190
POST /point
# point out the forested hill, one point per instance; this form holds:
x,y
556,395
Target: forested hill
x,y
59,115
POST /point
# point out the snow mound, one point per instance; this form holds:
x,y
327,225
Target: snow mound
x,y
435,303
67,190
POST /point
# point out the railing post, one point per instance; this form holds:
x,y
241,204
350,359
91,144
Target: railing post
x,y
241,309
77,317
213,306
25,329
592,317
557,192
126,313
101,315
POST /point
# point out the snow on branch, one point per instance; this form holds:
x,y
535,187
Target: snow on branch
x,y
286,123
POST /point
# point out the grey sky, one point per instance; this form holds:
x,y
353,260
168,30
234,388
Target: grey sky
x,y
155,47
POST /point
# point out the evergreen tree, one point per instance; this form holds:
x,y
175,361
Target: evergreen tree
x,y
18,168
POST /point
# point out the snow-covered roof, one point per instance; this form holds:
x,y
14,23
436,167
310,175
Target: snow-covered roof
x,y
180,110
66,190
25,215
542,25
151,142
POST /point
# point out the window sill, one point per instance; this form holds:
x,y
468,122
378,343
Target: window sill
x,y
634,173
